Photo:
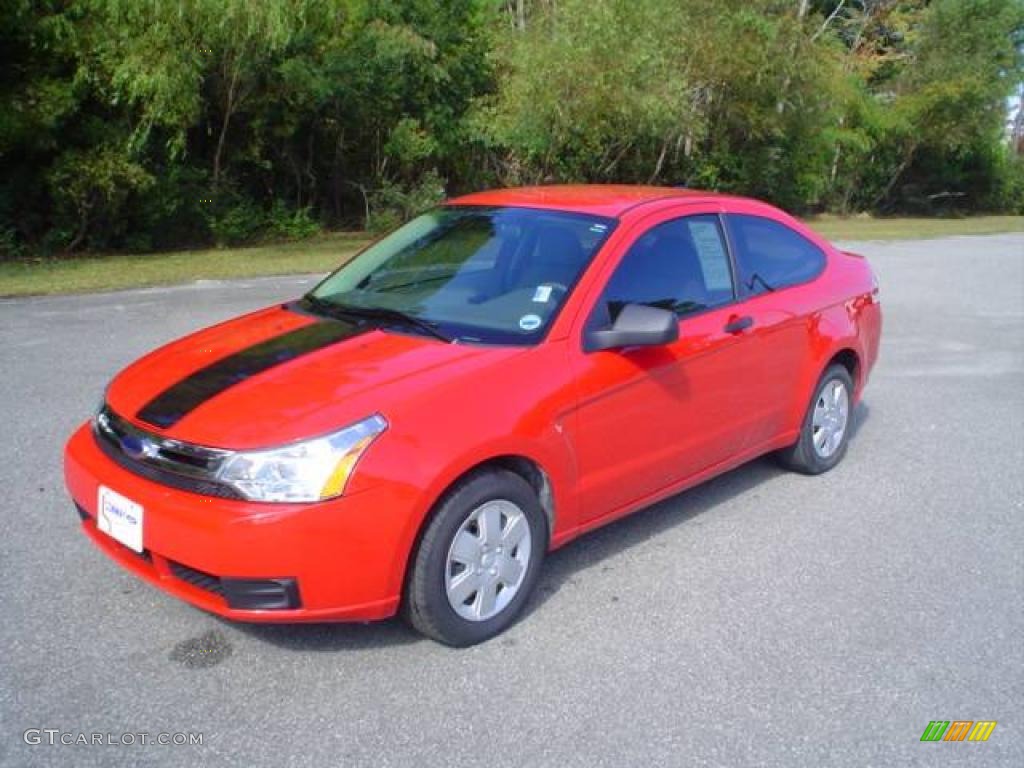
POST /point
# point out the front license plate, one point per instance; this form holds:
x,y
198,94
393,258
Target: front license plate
x,y
120,518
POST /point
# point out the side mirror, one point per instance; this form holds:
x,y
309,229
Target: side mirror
x,y
637,325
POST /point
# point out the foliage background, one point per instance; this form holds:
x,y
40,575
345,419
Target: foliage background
x,y
155,124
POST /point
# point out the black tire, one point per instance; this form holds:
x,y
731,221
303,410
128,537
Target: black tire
x,y
802,455
426,605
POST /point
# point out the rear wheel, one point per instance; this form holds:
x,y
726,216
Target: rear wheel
x,y
825,430
478,560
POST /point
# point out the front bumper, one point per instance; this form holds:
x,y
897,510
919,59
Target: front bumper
x,y
338,560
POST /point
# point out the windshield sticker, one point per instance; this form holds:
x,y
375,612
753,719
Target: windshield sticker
x,y
599,228
529,322
542,294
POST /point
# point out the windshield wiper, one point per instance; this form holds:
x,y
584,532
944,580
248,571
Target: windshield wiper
x,y
413,283
397,315
318,305
386,314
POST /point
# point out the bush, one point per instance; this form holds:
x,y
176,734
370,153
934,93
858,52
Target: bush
x,y
290,224
11,246
92,189
238,220
174,213
395,203
1011,198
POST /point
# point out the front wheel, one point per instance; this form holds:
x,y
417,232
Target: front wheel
x,y
478,560
825,430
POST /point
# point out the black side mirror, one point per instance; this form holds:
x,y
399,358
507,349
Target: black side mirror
x,y
637,325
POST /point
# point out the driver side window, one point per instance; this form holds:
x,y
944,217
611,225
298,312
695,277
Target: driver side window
x,y
682,265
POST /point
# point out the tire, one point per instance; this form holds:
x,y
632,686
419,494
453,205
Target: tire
x,y
464,553
812,453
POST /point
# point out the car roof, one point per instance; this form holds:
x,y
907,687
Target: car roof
x,y
610,200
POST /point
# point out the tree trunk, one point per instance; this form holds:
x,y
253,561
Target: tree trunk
x,y
851,53
229,108
828,20
907,157
311,198
84,211
801,14
661,162
366,203
336,176
834,170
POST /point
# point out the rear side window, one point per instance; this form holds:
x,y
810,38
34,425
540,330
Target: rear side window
x,y
682,265
770,255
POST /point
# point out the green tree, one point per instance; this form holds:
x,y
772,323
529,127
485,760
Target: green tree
x,y
138,124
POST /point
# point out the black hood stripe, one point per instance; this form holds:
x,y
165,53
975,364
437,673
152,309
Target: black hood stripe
x,y
170,406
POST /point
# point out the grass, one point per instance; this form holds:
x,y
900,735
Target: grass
x,y
95,273
868,228
107,273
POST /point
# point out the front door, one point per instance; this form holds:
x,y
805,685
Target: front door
x,y
649,417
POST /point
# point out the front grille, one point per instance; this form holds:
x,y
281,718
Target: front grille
x,y
197,578
168,462
193,485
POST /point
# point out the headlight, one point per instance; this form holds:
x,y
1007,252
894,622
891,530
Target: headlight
x,y
311,470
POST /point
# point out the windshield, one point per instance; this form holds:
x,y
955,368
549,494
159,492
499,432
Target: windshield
x,y
477,274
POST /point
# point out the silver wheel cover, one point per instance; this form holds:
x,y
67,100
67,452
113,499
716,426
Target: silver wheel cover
x,y
830,418
487,560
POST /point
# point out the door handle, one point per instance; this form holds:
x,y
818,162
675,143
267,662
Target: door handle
x,y
739,324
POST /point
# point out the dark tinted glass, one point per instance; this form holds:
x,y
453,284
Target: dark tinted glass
x,y
770,255
682,265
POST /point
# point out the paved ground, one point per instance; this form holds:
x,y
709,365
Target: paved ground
x,y
763,619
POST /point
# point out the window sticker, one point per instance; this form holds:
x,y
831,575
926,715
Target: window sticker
x,y
529,322
542,294
714,262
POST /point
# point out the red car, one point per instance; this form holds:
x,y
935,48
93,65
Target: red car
x,y
490,381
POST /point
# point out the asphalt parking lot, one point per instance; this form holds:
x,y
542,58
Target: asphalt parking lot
x,y
762,619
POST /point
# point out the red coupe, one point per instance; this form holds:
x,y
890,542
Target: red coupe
x,y
491,380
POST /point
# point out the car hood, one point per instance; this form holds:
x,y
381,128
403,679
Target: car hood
x,y
279,375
